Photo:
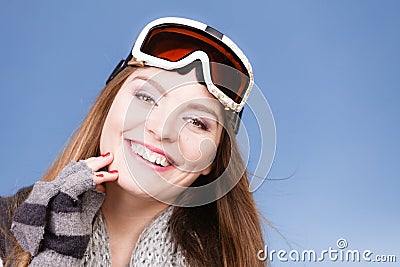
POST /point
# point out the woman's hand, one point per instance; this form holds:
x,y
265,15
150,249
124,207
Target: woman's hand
x,y
97,163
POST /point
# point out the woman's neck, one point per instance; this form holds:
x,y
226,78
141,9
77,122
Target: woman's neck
x,y
126,217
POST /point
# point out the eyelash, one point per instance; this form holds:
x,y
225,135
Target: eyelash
x,y
196,122
145,98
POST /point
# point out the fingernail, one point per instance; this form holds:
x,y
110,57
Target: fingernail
x,y
100,175
106,155
113,171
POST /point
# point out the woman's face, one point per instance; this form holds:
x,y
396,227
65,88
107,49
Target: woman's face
x,y
164,129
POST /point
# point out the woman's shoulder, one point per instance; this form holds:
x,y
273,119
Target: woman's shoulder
x,y
8,205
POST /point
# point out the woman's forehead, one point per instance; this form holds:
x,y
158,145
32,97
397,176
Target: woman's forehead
x,y
167,79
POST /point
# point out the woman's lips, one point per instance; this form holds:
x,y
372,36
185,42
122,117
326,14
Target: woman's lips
x,y
149,155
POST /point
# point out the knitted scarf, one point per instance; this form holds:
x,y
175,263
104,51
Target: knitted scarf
x,y
153,248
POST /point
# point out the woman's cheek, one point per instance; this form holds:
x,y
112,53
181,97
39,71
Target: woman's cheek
x,y
198,152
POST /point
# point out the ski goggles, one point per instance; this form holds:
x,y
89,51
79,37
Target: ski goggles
x,y
172,43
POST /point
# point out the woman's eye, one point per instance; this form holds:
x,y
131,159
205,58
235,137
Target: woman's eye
x,y
196,122
145,98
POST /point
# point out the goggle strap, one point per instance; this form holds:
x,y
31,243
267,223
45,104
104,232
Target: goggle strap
x,y
120,66
214,32
235,120
130,61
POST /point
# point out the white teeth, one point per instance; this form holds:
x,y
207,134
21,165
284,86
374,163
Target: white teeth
x,y
163,162
153,158
150,155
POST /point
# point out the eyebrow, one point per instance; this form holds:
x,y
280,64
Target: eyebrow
x,y
203,108
153,83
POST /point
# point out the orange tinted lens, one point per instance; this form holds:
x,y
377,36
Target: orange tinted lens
x,y
230,81
173,43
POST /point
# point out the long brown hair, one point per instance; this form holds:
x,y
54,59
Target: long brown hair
x,y
226,232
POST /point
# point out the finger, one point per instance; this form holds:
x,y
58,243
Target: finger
x,y
102,177
96,163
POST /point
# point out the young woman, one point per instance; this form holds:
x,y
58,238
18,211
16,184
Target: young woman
x,y
153,177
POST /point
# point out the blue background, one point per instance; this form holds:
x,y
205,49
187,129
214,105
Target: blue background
x,y
329,69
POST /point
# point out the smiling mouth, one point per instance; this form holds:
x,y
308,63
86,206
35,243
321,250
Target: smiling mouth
x,y
149,155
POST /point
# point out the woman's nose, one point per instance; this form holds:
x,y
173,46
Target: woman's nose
x,y
162,124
